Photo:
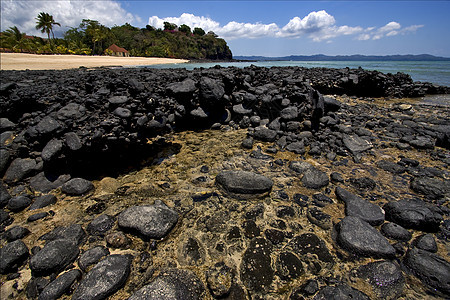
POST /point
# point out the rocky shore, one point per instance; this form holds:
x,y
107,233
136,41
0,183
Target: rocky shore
x,y
223,183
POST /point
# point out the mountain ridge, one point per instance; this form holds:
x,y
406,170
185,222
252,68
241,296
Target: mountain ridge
x,y
354,57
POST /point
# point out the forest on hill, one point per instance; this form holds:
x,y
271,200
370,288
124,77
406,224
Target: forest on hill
x,y
93,38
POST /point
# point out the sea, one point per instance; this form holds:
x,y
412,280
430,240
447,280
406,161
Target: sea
x,y
437,72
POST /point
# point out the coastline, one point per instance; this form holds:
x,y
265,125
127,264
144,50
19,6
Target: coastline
x,y
24,61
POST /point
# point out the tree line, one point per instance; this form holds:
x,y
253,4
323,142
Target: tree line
x,y
93,38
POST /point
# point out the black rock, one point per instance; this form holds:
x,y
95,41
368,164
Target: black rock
x,y
118,99
54,257
289,266
296,147
430,268
358,237
15,233
60,285
105,278
300,166
18,203
331,104
219,279
390,167
72,111
45,183
256,268
309,244
363,183
172,284
4,217
289,113
77,186
321,200
198,113
432,188
422,143
100,225
357,207
340,292
6,124
211,90
356,144
37,216
4,195
274,235
412,214
74,233
243,182
385,278
264,134
395,232
4,160
19,169
241,110
336,177
315,179
181,89
151,221
92,257
192,252
426,242
47,126
73,141
12,256
319,218
247,143
43,201
251,230
122,112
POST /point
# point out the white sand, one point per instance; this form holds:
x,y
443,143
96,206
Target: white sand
x,y
22,61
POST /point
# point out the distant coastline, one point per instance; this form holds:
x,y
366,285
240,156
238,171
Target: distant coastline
x,y
356,57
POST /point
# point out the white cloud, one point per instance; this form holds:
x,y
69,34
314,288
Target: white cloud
x,y
390,29
68,13
317,25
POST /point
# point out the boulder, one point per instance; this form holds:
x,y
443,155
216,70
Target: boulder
x,y
395,232
313,178
105,278
54,257
60,285
51,150
73,233
256,267
12,255
72,111
43,201
91,257
19,169
340,292
264,134
425,242
77,186
432,188
18,203
360,238
151,221
243,182
357,207
356,144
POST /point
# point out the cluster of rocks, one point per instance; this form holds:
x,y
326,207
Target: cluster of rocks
x,y
59,125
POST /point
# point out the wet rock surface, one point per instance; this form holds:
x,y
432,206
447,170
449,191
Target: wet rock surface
x,y
120,164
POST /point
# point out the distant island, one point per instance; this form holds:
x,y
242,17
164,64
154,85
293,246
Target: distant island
x,y
356,57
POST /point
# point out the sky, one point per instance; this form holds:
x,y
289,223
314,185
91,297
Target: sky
x,y
266,28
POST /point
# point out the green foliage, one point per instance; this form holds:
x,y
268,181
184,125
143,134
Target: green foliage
x,y
93,38
199,31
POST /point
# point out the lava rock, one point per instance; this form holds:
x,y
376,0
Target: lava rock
x,y
289,266
385,278
4,160
432,188
331,104
54,257
256,268
60,285
313,178
47,126
357,207
73,232
182,89
151,221
105,278
118,99
356,144
19,169
243,182
264,134
73,141
18,203
77,186
296,147
319,218
122,112
275,236
430,268
363,183
211,90
92,257
37,216
413,214
289,113
426,242
45,183
4,195
117,240
100,225
15,233
51,150
172,284
43,201
339,292
72,111
309,244
12,256
357,236
300,166
395,232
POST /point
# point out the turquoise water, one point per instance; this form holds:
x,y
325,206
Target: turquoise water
x,y
437,72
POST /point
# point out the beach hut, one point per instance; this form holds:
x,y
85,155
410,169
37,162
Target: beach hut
x,y
115,50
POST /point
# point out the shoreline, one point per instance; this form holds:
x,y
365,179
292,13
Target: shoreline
x,y
24,61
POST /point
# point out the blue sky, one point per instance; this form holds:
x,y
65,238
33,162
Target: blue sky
x,y
269,28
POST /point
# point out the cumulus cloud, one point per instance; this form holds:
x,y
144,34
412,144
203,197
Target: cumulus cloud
x,y
317,25
68,13
390,29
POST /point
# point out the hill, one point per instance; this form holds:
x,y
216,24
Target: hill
x,y
356,57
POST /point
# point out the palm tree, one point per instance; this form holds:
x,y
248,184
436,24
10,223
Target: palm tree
x,y
45,23
12,37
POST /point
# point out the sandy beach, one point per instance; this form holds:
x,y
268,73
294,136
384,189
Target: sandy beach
x,y
22,61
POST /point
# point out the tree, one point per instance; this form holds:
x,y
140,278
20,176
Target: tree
x,y
184,28
170,26
45,23
198,31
